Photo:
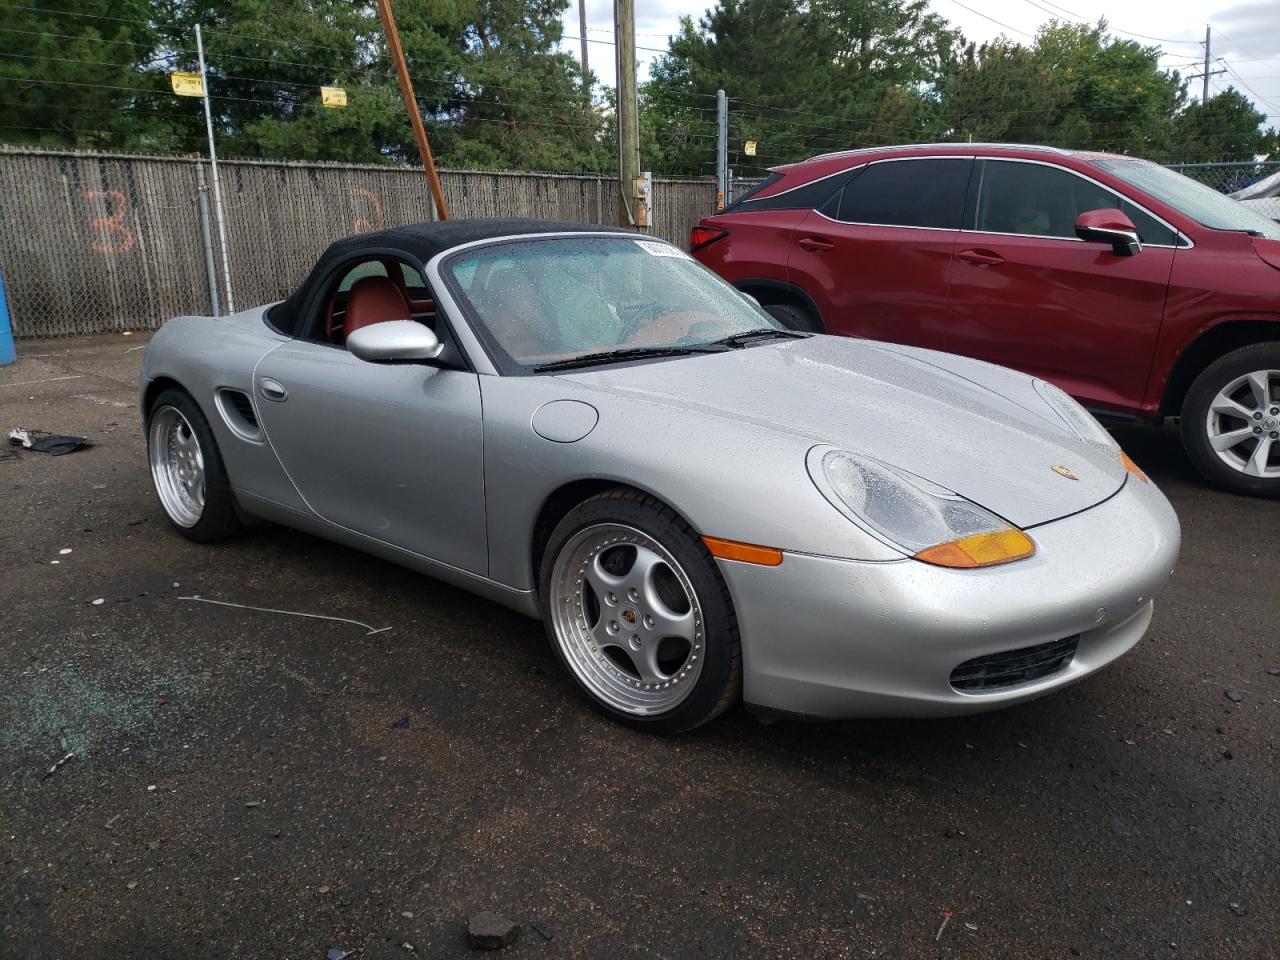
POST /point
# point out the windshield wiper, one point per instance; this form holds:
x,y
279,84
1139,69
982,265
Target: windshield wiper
x,y
763,333
628,353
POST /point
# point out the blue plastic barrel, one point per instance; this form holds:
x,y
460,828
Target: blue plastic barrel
x,y
7,353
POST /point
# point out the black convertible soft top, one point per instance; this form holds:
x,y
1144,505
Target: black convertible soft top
x,y
421,241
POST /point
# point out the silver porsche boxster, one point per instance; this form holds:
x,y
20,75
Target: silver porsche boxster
x,y
584,424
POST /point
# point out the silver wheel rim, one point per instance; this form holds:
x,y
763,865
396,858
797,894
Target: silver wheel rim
x,y
177,466
627,619
1243,424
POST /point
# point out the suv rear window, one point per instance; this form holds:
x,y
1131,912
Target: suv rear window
x,y
908,193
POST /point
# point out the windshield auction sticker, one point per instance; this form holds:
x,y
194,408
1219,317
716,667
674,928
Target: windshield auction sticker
x,y
655,249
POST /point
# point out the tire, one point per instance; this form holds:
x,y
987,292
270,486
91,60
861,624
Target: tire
x,y
1226,399
794,318
187,470
617,568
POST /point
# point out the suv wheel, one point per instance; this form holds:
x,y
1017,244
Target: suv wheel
x,y
1231,421
794,318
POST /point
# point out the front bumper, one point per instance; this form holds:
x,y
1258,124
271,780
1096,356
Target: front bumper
x,y
834,638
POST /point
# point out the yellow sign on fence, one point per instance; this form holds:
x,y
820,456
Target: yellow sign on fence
x,y
333,96
749,148
186,84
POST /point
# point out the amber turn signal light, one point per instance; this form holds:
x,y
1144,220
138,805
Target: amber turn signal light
x,y
980,550
1132,467
743,552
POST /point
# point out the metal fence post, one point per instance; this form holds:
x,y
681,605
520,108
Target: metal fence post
x,y
206,238
7,352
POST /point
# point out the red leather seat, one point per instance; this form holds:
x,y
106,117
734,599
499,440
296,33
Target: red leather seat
x,y
374,300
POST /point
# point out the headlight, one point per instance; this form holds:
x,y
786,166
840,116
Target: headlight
x,y
922,519
1084,425
1081,421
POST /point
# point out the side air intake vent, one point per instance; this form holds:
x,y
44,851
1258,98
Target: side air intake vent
x,y
1011,668
237,411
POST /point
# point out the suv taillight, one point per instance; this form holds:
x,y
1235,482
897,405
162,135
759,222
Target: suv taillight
x,y
701,236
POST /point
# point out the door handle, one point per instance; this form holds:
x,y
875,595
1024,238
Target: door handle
x,y
272,390
980,258
815,244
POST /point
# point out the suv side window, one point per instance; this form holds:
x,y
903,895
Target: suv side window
x,y
908,193
1044,201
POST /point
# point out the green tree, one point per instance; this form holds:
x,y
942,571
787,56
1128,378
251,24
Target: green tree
x,y
81,75
1075,86
802,79
1223,128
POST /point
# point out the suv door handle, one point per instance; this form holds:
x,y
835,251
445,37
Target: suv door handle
x,y
980,258
272,390
815,244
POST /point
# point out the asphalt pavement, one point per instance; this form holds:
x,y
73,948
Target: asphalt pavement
x,y
254,785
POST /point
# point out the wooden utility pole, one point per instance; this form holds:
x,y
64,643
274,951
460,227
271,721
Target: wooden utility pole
x,y
582,35
628,111
1208,59
411,105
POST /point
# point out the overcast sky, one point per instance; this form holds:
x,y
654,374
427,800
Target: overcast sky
x,y
1246,33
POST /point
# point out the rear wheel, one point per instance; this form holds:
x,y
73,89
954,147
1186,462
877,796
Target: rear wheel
x,y
639,615
187,469
1231,421
794,318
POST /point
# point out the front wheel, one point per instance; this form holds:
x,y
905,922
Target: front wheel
x,y
794,318
639,615
1231,421
187,469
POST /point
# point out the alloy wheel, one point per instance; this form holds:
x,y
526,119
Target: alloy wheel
x,y
627,619
177,466
1243,424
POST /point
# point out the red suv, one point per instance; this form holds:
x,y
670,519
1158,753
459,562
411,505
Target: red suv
x,y
1139,291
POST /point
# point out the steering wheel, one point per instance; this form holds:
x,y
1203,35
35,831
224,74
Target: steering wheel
x,y
668,328
644,315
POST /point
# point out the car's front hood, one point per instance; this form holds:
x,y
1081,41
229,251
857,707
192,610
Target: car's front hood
x,y
978,430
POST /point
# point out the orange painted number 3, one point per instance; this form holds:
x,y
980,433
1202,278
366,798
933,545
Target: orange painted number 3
x,y
112,235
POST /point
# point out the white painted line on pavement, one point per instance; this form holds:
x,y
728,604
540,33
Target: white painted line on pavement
x,y
27,383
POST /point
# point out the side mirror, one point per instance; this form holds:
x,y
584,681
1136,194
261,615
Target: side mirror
x,y
750,299
1112,227
395,340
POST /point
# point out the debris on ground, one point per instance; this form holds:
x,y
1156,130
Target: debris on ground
x,y
253,803
43,442
1235,696
407,914
542,930
946,918
952,833
408,947
54,769
401,724
370,631
100,601
339,953
1237,909
489,931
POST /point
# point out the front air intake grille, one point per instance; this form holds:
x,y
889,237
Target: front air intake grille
x,y
1012,668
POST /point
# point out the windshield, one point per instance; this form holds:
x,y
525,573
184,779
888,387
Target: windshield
x,y
552,299
1202,204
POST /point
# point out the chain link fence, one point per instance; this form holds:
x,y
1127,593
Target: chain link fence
x,y
1255,184
94,242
